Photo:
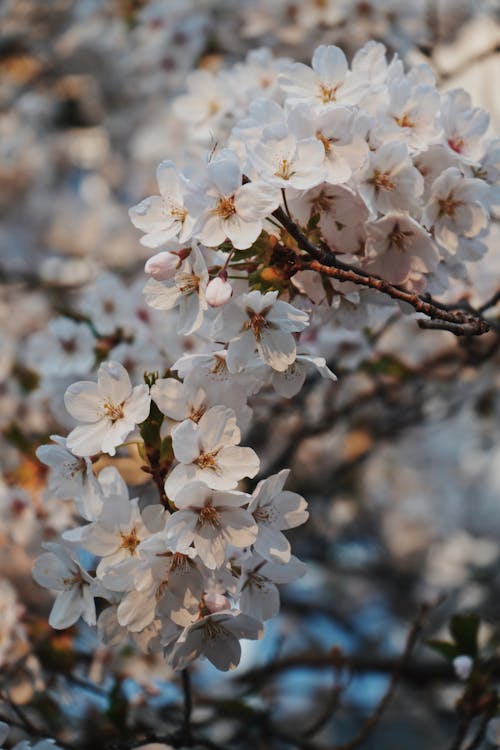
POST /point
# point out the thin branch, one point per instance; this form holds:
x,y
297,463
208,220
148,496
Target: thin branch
x,y
490,303
466,720
458,322
285,203
25,721
478,738
375,717
325,262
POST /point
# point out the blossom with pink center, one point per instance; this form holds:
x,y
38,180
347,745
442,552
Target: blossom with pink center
x,y
456,207
262,324
210,521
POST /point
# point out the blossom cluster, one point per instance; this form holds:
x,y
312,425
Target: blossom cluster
x,y
375,162
191,578
367,160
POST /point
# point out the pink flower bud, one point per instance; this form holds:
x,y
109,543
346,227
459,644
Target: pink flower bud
x,y
216,602
218,292
163,266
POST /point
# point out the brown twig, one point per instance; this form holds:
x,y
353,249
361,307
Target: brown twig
x,y
372,721
325,262
490,303
478,738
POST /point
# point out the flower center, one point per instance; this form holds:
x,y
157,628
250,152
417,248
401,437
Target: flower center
x,y
382,180
327,142
219,369
256,321
207,460
177,212
322,202
225,207
180,562
209,516
328,93
71,469
284,170
196,414
447,206
213,630
213,107
129,541
398,238
113,411
261,514
187,283
404,121
456,144
68,345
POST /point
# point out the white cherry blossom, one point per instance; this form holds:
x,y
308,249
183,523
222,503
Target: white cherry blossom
x,y
259,595
210,521
327,81
274,510
464,126
67,348
227,209
119,530
164,217
208,451
180,401
162,582
284,162
58,569
185,291
260,323
206,103
289,382
390,182
344,150
71,477
397,247
456,208
110,410
217,637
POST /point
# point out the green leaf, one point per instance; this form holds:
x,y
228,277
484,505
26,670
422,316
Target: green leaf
x,y
118,707
465,629
313,222
448,650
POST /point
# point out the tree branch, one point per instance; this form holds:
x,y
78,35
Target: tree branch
x,y
325,262
375,717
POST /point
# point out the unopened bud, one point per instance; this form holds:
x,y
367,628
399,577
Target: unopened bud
x,y
218,292
163,266
463,666
216,602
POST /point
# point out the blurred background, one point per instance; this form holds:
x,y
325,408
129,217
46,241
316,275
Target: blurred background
x,y
399,460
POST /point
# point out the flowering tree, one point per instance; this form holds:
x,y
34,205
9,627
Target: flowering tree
x,y
311,209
